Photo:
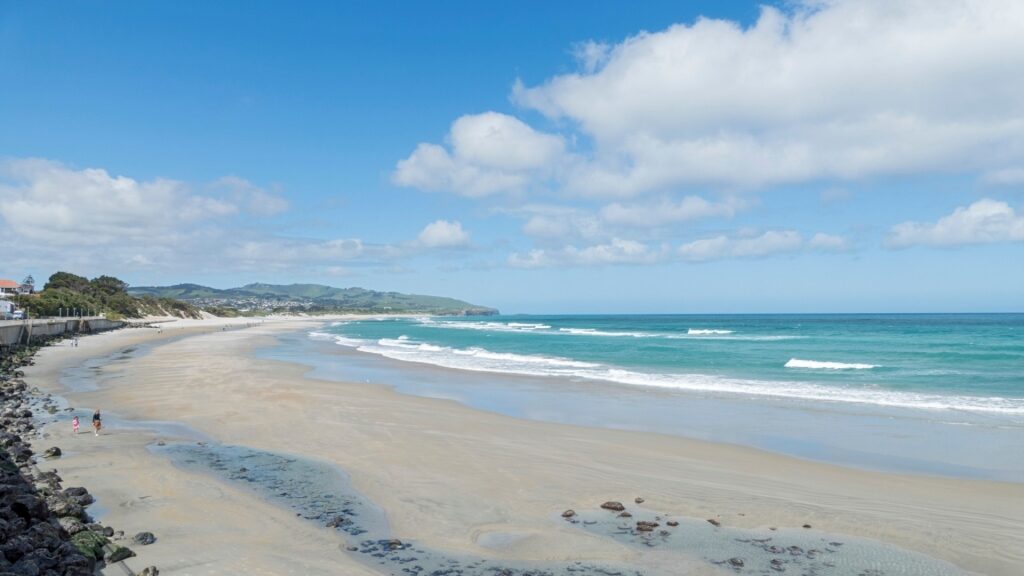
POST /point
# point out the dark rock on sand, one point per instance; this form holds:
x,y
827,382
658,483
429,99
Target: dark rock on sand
x,y
149,571
568,513
614,506
143,538
118,553
639,500
336,522
625,515
79,495
646,526
807,525
672,523
737,562
714,522
52,452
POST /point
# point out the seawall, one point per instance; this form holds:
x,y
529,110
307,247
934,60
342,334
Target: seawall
x,y
20,332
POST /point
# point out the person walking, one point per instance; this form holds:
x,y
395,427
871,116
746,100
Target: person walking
x,y
74,424
97,421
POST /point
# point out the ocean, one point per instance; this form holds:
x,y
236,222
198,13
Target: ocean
x,y
938,394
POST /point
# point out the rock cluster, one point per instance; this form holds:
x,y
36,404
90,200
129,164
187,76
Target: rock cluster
x,y
44,530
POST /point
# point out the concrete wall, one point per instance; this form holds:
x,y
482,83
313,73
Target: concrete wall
x,y
14,332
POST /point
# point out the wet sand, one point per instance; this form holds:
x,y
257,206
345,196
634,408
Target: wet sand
x,y
453,478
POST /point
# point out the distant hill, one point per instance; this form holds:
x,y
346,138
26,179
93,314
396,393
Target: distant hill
x,y
315,298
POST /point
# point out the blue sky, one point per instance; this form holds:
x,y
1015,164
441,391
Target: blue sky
x,y
538,157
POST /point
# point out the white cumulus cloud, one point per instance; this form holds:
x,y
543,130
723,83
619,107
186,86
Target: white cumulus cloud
x,y
443,234
723,247
255,199
489,153
843,89
47,202
668,211
983,222
616,251
828,243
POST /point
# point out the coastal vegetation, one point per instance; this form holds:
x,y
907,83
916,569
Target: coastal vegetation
x,y
67,294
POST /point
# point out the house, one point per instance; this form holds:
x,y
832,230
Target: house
x,y
9,287
6,309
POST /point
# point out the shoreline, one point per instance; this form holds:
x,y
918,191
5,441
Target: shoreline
x,y
738,420
411,455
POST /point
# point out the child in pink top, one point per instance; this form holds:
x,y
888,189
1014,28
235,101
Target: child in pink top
x,y
74,424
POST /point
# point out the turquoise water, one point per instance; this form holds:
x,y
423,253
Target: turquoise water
x,y
944,363
930,394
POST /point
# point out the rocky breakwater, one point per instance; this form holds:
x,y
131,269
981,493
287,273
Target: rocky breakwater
x,y
44,528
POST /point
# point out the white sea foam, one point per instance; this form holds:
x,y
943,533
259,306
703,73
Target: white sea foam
x,y
539,328
814,364
596,332
488,326
483,360
340,340
528,326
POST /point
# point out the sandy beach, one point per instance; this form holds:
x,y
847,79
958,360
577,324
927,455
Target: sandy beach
x,y
448,476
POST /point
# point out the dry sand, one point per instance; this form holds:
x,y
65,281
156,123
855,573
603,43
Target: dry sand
x,y
448,475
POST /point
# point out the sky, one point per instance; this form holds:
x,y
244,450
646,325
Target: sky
x,y
539,157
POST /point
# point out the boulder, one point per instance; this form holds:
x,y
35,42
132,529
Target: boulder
x,y
672,523
61,506
714,522
646,526
52,452
149,571
568,514
143,538
613,506
89,543
71,525
118,553
736,562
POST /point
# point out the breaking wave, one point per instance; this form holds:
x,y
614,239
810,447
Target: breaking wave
x,y
482,360
814,364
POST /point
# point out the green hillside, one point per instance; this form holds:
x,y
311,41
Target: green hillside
x,y
314,298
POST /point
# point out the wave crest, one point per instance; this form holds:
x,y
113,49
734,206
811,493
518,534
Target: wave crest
x,y
816,365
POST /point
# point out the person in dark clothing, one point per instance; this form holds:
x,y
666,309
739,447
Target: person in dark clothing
x,y
97,422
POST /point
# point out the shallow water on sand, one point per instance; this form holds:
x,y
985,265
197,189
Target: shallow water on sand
x,y
322,493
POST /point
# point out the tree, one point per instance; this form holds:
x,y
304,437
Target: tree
x,y
108,285
67,280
